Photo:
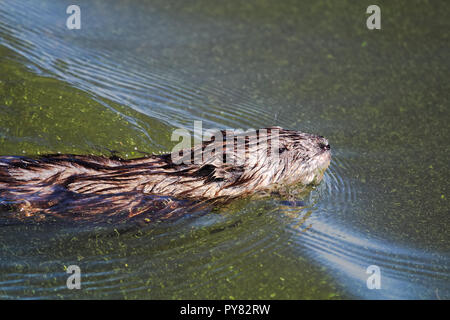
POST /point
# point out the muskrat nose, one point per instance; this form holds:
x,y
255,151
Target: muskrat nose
x,y
324,146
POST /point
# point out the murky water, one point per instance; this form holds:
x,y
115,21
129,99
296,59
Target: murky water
x,y
139,69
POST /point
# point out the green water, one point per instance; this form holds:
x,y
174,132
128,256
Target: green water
x,y
138,70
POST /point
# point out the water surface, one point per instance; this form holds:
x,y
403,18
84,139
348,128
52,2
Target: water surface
x,y
139,69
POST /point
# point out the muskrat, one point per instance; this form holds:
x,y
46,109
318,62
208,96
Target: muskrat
x,y
87,185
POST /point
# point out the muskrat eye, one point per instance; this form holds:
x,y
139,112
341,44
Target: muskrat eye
x,y
281,150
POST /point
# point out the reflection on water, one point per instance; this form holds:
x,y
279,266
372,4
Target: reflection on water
x,y
136,70
405,273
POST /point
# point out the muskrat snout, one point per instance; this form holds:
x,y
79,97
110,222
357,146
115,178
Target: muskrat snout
x,y
323,143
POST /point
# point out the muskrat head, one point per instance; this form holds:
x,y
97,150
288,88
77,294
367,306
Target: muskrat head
x,y
234,163
303,157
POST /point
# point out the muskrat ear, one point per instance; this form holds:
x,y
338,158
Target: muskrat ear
x,y
224,173
205,171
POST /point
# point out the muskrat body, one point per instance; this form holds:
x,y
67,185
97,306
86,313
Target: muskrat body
x,y
81,186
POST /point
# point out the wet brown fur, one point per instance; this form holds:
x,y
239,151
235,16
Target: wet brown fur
x,y
83,186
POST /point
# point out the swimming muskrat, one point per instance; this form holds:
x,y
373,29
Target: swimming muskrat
x,y
86,185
